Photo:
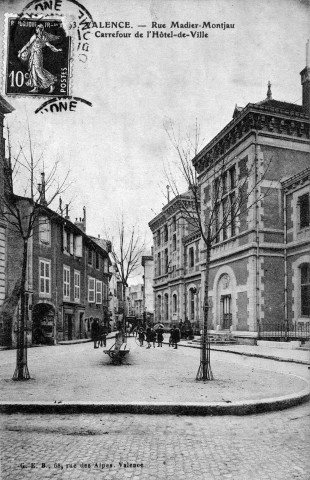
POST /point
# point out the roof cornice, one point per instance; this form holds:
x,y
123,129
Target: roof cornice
x,y
256,117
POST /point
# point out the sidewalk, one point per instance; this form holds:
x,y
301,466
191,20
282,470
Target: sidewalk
x,y
299,355
79,378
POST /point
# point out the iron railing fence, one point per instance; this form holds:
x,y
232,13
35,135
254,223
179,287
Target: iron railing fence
x,y
284,331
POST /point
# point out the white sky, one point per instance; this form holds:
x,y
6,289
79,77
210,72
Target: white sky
x,y
117,149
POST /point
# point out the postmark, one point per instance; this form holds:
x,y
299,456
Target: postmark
x,y
38,54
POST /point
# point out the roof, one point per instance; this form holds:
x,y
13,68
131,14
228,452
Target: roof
x,y
296,180
56,217
291,107
5,107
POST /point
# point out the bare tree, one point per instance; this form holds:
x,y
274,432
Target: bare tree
x,y
127,250
21,214
221,214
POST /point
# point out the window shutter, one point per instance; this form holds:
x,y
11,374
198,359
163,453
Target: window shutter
x,y
71,243
78,246
65,247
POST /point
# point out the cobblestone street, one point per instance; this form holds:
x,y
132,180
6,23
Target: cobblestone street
x,y
81,373
272,446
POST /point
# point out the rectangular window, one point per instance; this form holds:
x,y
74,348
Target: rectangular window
x,y
158,238
191,257
77,285
105,293
78,251
305,289
71,243
232,177
91,290
98,291
66,282
217,222
166,233
174,243
174,223
64,240
224,180
158,264
304,210
45,277
225,217
45,230
232,214
97,261
90,256
166,261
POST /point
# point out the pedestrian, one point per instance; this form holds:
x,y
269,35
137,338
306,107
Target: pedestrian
x,y
153,337
103,334
160,337
171,337
95,332
148,335
176,337
141,336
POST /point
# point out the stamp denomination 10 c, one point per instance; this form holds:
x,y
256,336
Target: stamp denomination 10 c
x,y
38,53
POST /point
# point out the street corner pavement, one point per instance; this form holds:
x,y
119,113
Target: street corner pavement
x,y
154,380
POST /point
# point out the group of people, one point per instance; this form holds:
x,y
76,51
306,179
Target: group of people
x,y
99,333
151,336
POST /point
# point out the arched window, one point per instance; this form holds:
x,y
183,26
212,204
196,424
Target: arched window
x,y
192,304
159,308
175,303
305,289
166,319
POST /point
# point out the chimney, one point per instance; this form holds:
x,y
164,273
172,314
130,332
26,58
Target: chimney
x,y
305,81
84,219
67,212
42,190
81,222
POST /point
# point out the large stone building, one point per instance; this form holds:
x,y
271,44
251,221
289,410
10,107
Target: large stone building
x,y
148,276
67,280
260,260
176,264
67,272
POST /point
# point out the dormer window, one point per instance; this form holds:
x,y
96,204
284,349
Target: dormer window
x,y
45,230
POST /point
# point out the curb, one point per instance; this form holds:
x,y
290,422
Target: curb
x,y
259,355
240,408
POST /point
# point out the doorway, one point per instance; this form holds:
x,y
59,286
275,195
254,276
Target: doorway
x,y
226,311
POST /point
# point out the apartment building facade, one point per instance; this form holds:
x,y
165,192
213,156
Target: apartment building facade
x,y
265,143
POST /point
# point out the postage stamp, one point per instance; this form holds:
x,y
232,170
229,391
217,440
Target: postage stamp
x,y
38,56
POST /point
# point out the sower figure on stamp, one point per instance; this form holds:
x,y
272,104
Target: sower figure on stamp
x,y
39,78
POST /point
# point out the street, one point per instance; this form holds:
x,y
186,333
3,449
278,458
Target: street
x,y
271,446
69,373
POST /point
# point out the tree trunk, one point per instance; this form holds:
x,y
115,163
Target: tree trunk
x,y
124,308
204,371
21,370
